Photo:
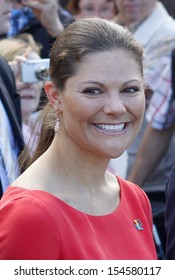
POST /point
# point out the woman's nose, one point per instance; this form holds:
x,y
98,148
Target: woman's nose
x,y
114,104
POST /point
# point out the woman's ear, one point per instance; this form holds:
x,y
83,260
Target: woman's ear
x,y
53,95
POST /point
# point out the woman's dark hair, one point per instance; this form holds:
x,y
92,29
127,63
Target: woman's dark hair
x,y
81,38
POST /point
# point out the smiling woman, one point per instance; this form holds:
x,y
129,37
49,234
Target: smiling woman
x,y
105,120
66,205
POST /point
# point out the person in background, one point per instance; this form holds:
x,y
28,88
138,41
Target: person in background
x,y
11,138
153,27
160,117
34,17
79,210
11,48
158,43
162,107
44,19
88,8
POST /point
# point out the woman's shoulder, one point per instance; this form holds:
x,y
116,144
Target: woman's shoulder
x,y
133,192
24,208
24,202
13,193
26,223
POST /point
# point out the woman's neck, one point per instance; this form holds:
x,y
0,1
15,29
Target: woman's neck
x,y
80,165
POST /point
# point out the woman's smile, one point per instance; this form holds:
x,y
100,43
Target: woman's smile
x,y
111,128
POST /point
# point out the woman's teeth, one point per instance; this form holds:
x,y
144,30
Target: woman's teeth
x,y
111,127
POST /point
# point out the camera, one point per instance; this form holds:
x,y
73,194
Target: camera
x,y
35,70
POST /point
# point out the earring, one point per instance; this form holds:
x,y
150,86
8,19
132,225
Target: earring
x,y
57,126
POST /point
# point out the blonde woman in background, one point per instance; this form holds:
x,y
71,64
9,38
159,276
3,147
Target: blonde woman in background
x,y
25,46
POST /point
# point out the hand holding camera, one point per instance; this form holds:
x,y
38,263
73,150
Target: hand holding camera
x,y
15,64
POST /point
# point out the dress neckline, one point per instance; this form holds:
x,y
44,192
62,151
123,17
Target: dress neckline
x,y
28,192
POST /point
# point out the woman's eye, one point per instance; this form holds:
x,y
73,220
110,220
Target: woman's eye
x,y
131,89
92,91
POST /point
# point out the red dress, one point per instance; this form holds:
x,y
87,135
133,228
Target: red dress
x,y
37,225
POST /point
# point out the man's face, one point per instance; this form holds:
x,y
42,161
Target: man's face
x,y
135,10
5,14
